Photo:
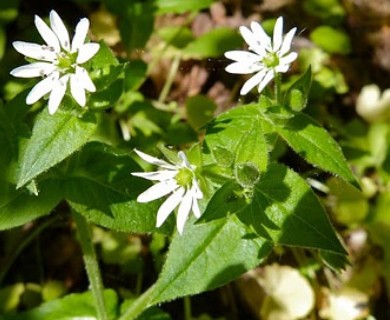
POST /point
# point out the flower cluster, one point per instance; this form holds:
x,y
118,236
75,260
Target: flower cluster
x,y
268,56
58,62
180,181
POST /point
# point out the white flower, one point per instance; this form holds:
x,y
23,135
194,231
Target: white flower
x,y
180,181
268,56
57,61
372,105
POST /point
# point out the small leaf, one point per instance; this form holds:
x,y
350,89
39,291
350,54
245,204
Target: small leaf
x,y
135,74
72,307
297,94
200,110
285,210
177,36
213,44
18,207
331,40
180,6
207,256
54,138
316,146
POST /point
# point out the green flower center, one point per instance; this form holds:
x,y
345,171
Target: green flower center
x,y
66,61
271,60
184,177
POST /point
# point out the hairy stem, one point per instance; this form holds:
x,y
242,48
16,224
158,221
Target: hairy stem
x,y
91,264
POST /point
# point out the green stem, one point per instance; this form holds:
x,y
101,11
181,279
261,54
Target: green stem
x,y
187,308
139,305
171,76
278,89
91,264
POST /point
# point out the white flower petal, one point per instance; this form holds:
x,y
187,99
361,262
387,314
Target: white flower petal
x,y
249,37
262,38
267,78
287,41
41,88
80,34
60,30
87,51
184,211
77,89
244,68
32,70
278,34
47,34
197,192
157,191
288,58
156,175
185,162
195,208
168,206
57,93
155,161
252,82
85,80
35,51
242,56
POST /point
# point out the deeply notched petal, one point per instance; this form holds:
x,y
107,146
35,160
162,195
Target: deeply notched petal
x,y
158,191
155,161
57,93
87,51
80,34
42,88
47,34
60,30
33,70
35,51
168,206
184,211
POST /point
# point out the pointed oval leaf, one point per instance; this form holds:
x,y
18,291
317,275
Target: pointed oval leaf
x,y
207,256
284,209
316,146
54,138
18,207
72,307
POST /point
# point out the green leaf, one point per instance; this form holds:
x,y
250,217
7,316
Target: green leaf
x,y
54,138
135,74
18,207
104,57
102,189
213,44
207,256
331,40
72,307
285,210
200,110
136,22
236,137
177,36
180,6
316,146
297,94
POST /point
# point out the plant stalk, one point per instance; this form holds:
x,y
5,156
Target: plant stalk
x,y
91,264
139,305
